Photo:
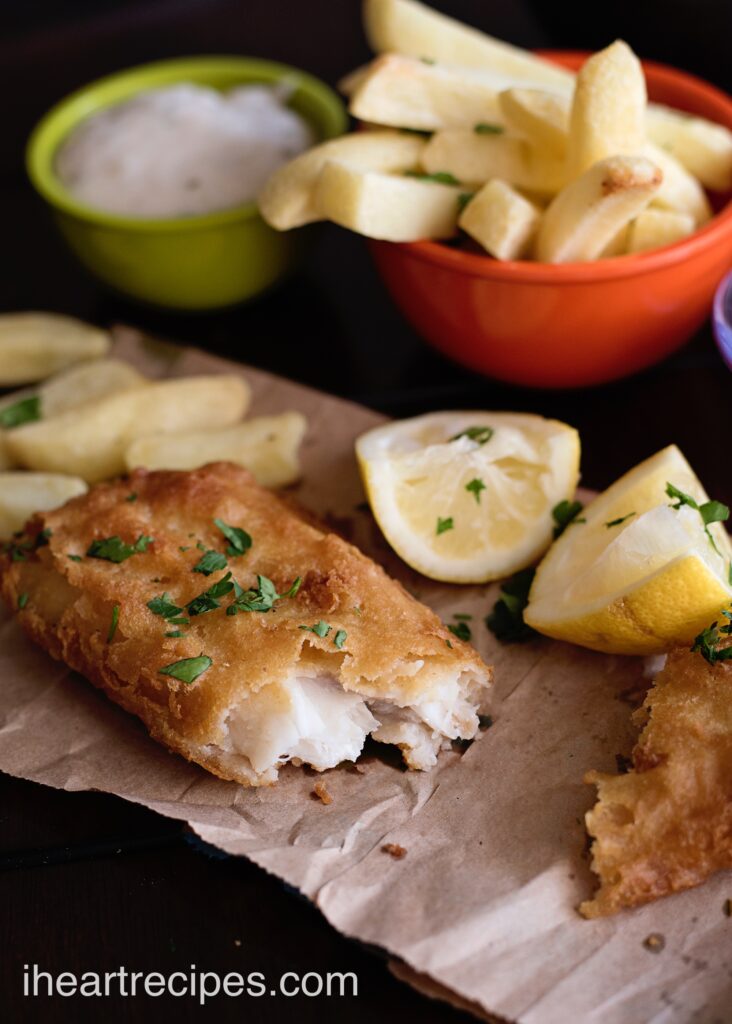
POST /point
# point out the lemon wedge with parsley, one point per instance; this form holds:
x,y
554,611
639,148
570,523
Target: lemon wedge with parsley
x,y
467,497
645,566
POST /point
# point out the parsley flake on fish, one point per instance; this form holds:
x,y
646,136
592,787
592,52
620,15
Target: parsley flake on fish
x,y
114,549
260,599
113,624
320,629
443,525
210,561
239,540
188,669
208,601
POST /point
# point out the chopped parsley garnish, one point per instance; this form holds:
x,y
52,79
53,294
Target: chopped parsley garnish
x,y
481,435
184,547
483,128
27,410
707,643
448,643
239,540
462,617
164,607
439,177
461,630
622,519
340,638
428,60
475,487
131,497
463,199
210,562
187,670
74,558
564,514
320,629
710,511
113,624
506,621
443,525
114,549
22,601
177,633
208,600
260,599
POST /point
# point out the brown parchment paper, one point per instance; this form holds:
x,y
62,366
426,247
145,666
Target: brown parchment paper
x,y
482,907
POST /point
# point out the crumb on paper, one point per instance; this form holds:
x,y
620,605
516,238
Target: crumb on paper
x,y
237,942
394,850
321,792
654,942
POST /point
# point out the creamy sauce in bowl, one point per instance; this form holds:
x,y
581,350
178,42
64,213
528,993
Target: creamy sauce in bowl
x,y
181,151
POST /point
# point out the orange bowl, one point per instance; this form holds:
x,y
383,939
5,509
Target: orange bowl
x,y
575,324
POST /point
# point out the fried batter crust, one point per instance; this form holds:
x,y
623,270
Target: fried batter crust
x,y
666,825
70,604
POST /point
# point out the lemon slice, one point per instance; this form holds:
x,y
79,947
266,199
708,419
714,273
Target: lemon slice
x,y
638,575
467,497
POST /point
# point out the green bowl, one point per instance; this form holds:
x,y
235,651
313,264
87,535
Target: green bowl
x,y
199,262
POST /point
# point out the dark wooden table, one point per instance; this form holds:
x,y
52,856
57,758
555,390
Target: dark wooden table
x,y
91,882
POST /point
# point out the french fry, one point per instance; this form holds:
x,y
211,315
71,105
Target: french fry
x,y
287,200
679,191
5,461
654,228
350,82
22,494
475,159
588,213
266,445
541,117
396,209
35,345
66,390
91,441
608,109
411,28
502,220
405,92
86,383
703,148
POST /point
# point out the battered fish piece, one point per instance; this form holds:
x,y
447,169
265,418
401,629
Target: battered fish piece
x,y
666,825
243,636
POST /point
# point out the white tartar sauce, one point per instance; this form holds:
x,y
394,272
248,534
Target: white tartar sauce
x,y
182,150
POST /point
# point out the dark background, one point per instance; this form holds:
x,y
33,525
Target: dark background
x,y
91,882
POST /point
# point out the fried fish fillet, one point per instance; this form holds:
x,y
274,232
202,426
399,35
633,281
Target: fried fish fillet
x,y
666,825
177,593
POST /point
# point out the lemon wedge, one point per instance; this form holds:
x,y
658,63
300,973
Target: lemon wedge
x,y
467,497
641,572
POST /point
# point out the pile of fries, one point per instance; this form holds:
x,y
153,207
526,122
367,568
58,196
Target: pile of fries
x,y
462,131
98,417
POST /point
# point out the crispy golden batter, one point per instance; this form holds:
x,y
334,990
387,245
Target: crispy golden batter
x,y
666,825
396,649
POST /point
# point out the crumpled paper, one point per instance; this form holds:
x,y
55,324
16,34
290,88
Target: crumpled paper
x,y
482,908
